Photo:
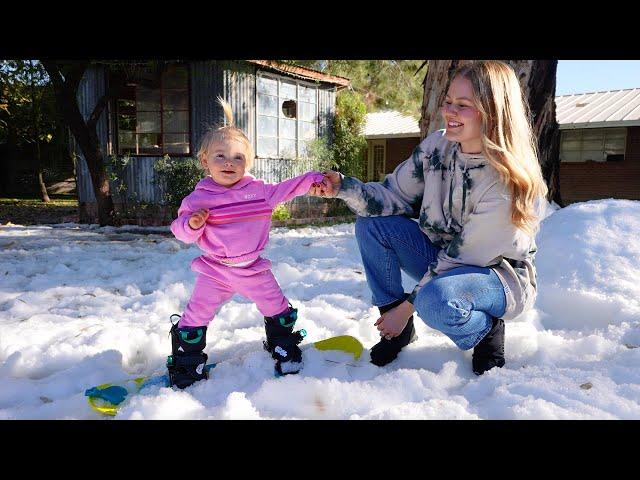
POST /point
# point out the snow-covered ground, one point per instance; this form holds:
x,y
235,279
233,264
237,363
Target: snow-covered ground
x,y
82,305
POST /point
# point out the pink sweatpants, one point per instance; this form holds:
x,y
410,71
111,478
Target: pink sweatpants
x,y
216,283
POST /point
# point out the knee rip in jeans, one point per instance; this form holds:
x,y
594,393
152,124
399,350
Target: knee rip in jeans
x,y
462,306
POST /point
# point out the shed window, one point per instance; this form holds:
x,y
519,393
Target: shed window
x,y
593,144
152,112
287,117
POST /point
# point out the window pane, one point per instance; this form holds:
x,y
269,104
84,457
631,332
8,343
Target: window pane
x,y
148,122
307,112
175,100
571,156
175,76
267,85
126,105
126,142
287,90
267,126
267,147
594,155
614,140
127,122
287,148
176,143
307,130
175,121
303,148
307,94
287,128
268,105
288,108
149,143
147,99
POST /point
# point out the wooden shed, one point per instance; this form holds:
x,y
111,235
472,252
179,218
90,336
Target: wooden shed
x,y
164,108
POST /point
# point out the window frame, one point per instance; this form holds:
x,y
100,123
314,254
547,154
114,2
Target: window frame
x,y
115,109
581,150
279,79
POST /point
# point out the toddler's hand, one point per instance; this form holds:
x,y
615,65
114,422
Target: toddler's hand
x,y
328,187
198,218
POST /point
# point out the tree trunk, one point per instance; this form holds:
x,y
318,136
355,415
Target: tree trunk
x,y
43,188
538,81
34,115
86,136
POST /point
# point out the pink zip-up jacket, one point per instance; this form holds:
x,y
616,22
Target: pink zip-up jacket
x,y
237,229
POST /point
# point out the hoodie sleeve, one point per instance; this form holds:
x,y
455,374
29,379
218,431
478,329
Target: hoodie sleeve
x,y
180,226
281,192
487,236
400,193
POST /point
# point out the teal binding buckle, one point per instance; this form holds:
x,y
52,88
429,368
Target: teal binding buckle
x,y
293,314
184,335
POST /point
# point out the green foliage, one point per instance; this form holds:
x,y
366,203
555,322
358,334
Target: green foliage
x,y
27,104
178,176
346,154
348,141
115,168
382,84
321,155
281,212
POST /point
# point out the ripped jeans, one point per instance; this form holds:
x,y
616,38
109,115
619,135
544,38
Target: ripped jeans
x,y
459,303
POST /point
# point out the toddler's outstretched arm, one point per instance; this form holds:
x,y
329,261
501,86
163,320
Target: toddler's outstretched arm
x,y
294,187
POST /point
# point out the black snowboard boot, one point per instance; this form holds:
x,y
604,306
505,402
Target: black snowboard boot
x,y
282,342
187,361
489,352
385,350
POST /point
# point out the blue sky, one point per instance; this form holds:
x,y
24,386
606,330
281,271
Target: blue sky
x,y
580,76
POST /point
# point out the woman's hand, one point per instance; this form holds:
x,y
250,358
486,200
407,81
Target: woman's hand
x,y
391,323
329,187
197,218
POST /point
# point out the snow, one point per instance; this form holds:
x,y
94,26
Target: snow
x,y
82,305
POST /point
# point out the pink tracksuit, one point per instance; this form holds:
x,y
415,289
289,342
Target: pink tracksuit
x,y
232,238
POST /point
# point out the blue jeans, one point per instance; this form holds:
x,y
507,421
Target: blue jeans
x,y
459,303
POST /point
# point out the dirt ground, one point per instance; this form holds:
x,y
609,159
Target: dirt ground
x,y
21,211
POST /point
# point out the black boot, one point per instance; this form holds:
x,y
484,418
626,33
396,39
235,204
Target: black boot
x,y
385,350
282,342
187,361
489,352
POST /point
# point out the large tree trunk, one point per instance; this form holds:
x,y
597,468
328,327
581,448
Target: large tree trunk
x,y
538,81
85,133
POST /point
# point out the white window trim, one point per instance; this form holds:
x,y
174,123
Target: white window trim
x,y
582,130
372,144
278,78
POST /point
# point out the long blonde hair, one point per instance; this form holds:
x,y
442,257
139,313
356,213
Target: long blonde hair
x,y
225,133
508,141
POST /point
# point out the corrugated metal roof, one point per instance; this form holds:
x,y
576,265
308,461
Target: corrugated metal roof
x,y
389,124
614,108
599,109
304,72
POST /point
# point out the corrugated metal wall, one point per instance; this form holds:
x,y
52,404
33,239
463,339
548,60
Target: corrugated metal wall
x,y
326,112
91,88
239,87
206,85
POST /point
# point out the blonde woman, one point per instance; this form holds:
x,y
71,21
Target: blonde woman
x,y
475,188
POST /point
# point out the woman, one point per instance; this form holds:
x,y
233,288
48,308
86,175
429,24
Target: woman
x,y
476,188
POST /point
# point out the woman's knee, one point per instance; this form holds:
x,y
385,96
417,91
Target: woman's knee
x,y
440,308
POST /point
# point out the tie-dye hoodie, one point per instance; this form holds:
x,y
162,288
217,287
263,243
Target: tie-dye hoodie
x,y
463,208
237,229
